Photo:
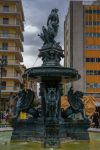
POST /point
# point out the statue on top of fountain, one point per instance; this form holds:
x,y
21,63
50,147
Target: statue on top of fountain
x,y
48,34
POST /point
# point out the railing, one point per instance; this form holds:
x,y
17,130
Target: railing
x,y
10,88
13,63
10,48
14,0
12,76
12,36
9,35
2,10
9,23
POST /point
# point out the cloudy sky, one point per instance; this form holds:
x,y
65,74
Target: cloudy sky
x,y
36,13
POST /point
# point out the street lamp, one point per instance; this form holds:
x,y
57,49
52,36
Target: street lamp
x,y
3,63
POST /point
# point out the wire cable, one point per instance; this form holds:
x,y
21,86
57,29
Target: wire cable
x,y
35,61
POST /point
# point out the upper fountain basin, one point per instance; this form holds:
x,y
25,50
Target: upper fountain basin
x,y
53,73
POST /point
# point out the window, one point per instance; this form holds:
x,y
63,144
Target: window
x,y
94,35
87,59
95,85
92,72
5,20
6,8
87,85
91,85
5,33
95,72
5,46
99,72
16,86
92,59
5,58
89,11
93,47
97,59
95,11
88,72
4,72
90,23
98,85
3,85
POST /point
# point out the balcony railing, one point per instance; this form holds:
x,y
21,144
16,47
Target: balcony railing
x,y
11,76
14,0
10,49
13,63
10,36
10,88
10,23
11,10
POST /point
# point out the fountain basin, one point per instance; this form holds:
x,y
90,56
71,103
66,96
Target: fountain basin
x,y
94,134
69,145
55,73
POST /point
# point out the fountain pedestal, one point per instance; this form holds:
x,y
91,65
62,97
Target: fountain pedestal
x,y
52,134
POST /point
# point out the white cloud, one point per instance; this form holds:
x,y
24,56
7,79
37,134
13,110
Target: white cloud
x,y
31,29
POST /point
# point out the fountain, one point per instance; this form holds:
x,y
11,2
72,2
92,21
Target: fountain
x,y
51,125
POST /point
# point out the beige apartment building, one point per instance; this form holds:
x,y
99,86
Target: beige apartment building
x,y
11,38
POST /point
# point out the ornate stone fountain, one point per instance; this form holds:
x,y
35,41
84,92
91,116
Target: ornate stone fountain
x,y
54,124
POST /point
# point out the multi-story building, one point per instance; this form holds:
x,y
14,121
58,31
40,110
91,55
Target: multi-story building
x,y
11,38
82,45
29,83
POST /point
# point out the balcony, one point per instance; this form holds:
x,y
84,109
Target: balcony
x,y
11,36
12,11
9,89
12,24
12,0
16,64
8,11
13,63
12,49
12,77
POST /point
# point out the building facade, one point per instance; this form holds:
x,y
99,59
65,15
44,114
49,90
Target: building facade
x,y
11,38
30,83
82,45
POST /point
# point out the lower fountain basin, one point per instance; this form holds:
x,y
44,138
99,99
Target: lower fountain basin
x,y
52,73
69,145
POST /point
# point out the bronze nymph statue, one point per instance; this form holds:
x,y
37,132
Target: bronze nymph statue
x,y
48,34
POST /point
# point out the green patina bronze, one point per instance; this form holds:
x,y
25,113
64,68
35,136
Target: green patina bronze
x,y
76,104
25,103
48,34
52,124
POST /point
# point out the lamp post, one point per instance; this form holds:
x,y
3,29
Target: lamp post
x,y
3,63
